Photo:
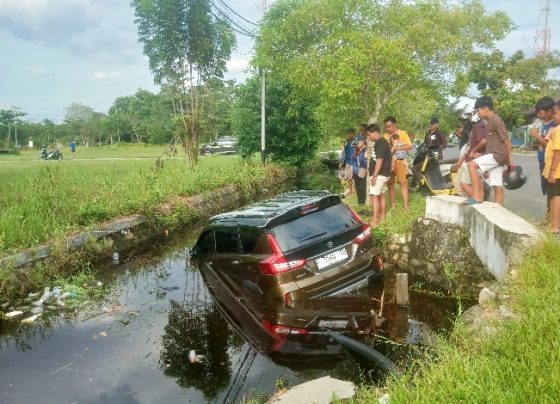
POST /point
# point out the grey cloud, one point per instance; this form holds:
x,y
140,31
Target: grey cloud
x,y
102,30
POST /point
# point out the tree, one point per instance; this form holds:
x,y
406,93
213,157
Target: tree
x,y
9,117
361,58
82,118
186,46
292,135
516,82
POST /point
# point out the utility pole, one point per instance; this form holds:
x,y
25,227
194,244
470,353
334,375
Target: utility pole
x,y
542,37
263,108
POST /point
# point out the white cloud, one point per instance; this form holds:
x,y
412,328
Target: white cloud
x,y
37,71
105,75
237,65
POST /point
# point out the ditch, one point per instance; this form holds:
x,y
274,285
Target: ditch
x,y
134,342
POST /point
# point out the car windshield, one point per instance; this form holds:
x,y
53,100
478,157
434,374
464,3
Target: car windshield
x,y
308,229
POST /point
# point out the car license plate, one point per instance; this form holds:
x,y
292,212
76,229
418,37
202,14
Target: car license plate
x,y
333,324
331,259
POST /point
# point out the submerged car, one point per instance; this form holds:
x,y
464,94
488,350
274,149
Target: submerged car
x,y
280,262
222,145
299,245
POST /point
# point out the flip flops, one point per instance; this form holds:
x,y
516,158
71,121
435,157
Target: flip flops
x,y
471,201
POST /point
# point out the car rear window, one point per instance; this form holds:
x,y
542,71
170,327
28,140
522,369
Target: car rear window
x,y
315,226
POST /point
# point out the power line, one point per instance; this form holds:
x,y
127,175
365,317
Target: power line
x,y
232,28
234,12
234,25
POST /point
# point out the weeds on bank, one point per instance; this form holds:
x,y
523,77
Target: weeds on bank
x,y
518,362
44,200
398,221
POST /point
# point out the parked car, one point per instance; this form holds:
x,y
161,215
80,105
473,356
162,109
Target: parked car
x,y
331,158
299,245
222,145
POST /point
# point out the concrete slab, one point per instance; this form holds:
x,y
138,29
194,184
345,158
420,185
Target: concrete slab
x,y
498,236
318,391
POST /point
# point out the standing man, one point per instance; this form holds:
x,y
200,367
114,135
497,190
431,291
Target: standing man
x,y
73,149
360,170
552,173
544,110
348,159
399,175
380,171
497,157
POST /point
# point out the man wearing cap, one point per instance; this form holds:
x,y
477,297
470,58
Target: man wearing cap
x,y
434,137
497,157
544,110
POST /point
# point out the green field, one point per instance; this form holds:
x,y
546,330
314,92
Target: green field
x,y
42,200
132,150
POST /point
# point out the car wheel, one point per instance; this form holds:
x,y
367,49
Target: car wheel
x,y
206,152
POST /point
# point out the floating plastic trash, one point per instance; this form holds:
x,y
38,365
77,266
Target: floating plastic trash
x,y
31,319
14,314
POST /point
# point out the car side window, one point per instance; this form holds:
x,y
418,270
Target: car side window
x,y
249,237
227,240
206,243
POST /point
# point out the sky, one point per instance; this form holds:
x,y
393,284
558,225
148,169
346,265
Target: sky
x,y
55,52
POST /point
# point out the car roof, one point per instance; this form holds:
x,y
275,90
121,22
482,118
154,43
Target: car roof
x,y
262,213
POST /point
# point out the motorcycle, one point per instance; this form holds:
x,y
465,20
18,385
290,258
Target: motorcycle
x,y
52,155
432,175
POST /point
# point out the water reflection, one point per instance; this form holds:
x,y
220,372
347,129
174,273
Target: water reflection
x,y
203,329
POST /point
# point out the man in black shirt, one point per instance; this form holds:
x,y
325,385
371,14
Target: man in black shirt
x,y
380,171
434,136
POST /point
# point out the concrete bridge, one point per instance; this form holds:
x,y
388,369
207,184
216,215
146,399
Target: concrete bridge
x,y
463,247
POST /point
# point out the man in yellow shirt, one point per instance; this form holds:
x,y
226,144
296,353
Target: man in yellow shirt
x,y
551,172
400,166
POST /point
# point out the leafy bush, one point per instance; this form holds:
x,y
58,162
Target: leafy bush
x,y
292,136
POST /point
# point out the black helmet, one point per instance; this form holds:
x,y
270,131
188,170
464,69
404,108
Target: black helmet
x,y
514,178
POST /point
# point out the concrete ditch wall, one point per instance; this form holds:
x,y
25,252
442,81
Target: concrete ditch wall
x,y
498,236
462,248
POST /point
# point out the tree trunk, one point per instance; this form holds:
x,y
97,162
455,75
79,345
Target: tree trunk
x,y
374,117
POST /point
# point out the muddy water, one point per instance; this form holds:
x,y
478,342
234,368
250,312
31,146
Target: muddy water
x,y
132,346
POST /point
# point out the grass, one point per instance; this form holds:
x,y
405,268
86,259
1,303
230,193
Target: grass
x,y
44,200
128,150
398,221
518,364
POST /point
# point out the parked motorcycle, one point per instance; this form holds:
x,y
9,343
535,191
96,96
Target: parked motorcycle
x,y
432,175
52,155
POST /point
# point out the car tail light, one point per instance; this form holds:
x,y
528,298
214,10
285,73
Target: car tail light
x,y
277,263
283,331
379,262
364,235
355,215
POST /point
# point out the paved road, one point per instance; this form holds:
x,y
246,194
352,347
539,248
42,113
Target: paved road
x,y
527,201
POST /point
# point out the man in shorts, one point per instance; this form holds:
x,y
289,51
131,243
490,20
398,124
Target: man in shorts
x,y
380,171
497,157
551,173
400,172
475,147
